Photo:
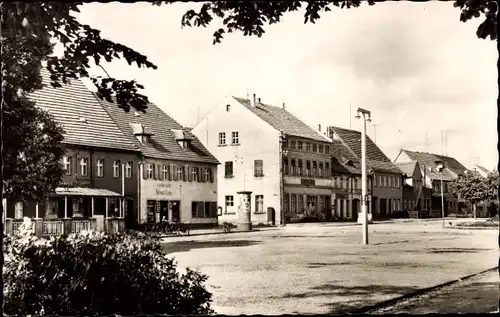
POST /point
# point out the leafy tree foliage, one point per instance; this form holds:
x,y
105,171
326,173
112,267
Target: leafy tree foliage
x,y
251,17
474,188
91,274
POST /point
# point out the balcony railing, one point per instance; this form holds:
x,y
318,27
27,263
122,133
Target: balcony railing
x,y
79,225
53,228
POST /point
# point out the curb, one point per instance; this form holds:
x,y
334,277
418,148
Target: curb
x,y
218,232
422,291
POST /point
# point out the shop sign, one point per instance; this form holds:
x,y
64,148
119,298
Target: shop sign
x,y
164,190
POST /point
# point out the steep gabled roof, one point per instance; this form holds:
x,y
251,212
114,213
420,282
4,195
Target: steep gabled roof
x,y
407,168
283,120
376,159
163,143
427,162
84,121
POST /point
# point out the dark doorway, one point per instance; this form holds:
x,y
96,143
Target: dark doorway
x,y
271,215
355,209
383,207
130,215
176,210
164,210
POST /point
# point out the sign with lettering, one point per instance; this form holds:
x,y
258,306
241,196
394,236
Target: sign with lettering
x,y
164,189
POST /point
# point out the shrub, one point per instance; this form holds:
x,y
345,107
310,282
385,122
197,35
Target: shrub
x,y
96,274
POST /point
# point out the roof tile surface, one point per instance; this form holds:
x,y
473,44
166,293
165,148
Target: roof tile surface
x,y
282,119
84,121
164,129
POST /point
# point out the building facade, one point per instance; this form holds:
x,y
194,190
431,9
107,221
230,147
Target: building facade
x,y
416,196
433,177
177,178
386,184
258,147
99,188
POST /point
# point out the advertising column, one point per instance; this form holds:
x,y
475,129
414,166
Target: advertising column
x,y
244,211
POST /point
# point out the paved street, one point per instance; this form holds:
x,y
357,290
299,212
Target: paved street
x,y
317,268
476,295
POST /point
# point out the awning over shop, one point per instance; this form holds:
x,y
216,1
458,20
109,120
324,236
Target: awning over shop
x,y
81,191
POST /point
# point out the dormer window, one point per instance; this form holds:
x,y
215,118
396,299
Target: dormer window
x,y
350,163
141,133
183,138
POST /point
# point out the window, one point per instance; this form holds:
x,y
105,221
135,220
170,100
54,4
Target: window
x,y
308,168
228,169
320,170
258,168
380,181
100,167
259,203
327,149
397,182
180,173
84,166
206,175
222,138
385,181
116,169
18,210
300,207
327,169
294,203
165,172
229,202
356,183
286,203
315,148
128,170
285,166
299,168
292,144
197,209
293,167
314,168
67,162
194,174
299,145
308,147
149,170
320,148
235,138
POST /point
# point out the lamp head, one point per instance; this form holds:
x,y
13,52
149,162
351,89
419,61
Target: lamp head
x,y
369,119
357,116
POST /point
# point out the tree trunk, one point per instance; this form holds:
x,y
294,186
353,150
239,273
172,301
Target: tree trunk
x,y
474,210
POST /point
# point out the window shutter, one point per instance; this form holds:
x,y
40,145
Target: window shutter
x,y
174,169
201,208
199,173
211,174
160,172
154,170
189,172
186,169
145,170
171,172
194,210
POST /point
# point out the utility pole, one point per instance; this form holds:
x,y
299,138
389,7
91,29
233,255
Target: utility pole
x,y
364,196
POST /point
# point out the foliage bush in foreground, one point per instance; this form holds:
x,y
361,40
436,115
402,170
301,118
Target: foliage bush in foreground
x,y
96,274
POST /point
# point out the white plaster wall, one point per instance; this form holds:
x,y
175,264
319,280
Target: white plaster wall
x,y
258,140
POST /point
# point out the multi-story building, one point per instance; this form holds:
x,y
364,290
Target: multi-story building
x,y
416,196
99,188
346,183
268,151
177,175
387,189
433,177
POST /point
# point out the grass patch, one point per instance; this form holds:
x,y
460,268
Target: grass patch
x,y
482,224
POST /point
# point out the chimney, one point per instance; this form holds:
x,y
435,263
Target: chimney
x,y
283,105
252,101
258,100
319,127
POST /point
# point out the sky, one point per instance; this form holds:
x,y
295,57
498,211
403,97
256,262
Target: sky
x,y
415,66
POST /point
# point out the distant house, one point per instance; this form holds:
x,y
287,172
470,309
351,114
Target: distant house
x,y
432,177
99,187
177,174
267,150
387,189
416,196
483,172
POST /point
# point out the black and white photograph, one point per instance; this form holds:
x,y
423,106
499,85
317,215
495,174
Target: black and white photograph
x,y
249,157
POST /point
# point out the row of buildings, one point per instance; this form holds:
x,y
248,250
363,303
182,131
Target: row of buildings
x,y
126,168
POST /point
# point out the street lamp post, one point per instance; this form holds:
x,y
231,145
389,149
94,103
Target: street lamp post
x,y
364,207
283,153
440,167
